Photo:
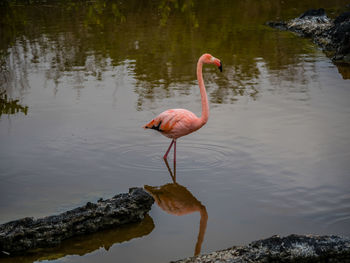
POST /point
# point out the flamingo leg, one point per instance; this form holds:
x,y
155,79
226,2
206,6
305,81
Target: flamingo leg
x,y
166,154
173,176
175,157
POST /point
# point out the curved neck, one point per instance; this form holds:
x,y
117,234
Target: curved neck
x,y
205,106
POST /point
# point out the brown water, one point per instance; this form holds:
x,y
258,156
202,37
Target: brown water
x,y
79,79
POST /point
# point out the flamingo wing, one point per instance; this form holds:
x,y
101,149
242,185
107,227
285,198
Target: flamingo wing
x,y
174,123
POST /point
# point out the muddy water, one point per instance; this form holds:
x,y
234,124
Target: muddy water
x,y
79,79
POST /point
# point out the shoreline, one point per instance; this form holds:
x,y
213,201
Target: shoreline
x,y
22,235
43,237
292,248
332,35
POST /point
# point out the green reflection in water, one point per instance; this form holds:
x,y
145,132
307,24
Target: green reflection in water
x,y
160,41
171,7
9,106
84,244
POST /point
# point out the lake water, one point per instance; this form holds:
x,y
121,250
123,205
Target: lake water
x,y
79,80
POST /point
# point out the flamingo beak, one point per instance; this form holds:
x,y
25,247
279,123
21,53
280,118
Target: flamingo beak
x,y
220,67
217,62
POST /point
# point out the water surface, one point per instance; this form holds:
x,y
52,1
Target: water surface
x,y
79,80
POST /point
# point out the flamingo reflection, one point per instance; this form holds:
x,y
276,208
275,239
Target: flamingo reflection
x,y
175,199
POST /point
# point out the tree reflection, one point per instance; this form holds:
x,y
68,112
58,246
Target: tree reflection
x,y
9,106
161,39
166,7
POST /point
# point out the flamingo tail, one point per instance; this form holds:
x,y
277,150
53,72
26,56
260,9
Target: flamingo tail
x,y
153,124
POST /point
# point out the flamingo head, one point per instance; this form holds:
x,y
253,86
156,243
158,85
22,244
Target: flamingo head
x,y
209,59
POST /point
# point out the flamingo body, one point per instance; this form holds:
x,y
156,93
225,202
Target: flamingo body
x,y
175,123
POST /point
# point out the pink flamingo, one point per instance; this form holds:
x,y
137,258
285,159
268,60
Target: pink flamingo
x,y
175,123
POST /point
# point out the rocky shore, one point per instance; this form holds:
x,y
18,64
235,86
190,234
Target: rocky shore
x,y
28,233
293,248
51,236
332,35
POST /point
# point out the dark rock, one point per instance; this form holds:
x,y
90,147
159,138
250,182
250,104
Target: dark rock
x,y
332,35
293,248
310,24
277,24
340,38
342,18
84,244
28,233
313,12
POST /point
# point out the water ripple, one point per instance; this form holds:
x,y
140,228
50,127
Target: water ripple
x,y
190,156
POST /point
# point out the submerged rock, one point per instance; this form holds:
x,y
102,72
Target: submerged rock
x,y
293,248
29,233
331,35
